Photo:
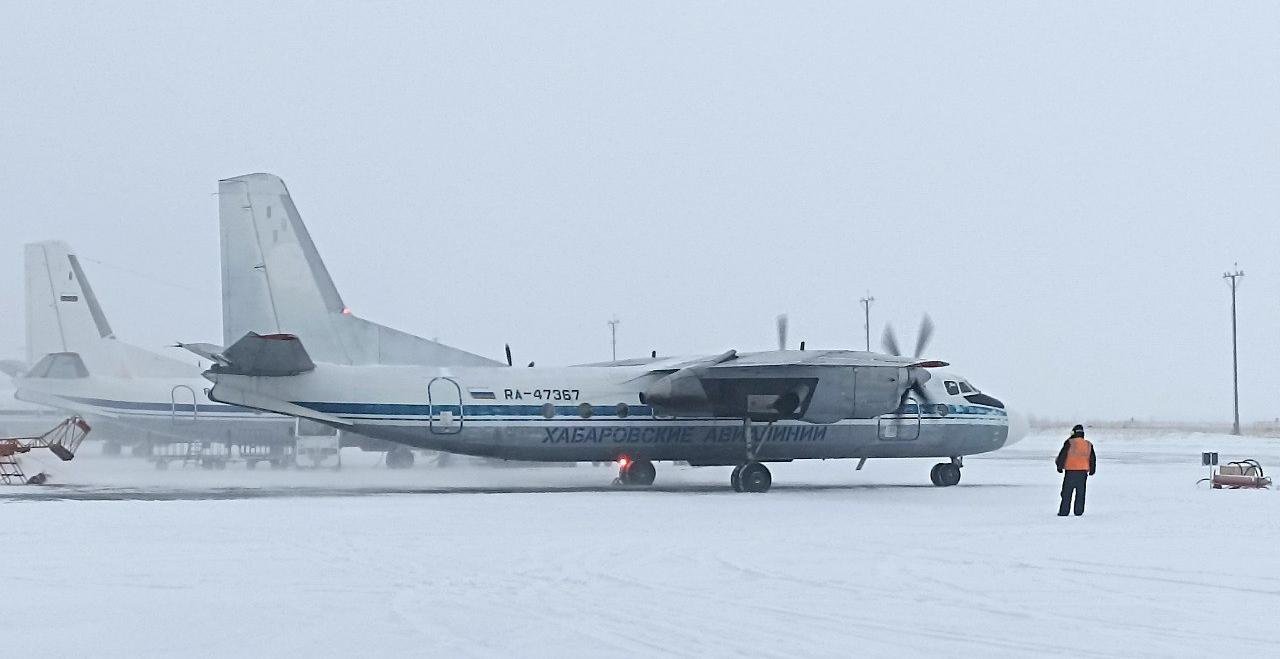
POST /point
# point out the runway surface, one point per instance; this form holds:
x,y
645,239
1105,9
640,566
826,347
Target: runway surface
x,y
552,561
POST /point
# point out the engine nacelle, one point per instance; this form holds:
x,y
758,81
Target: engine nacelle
x,y
817,394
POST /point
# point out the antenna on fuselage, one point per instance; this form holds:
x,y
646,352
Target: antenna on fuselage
x,y
508,349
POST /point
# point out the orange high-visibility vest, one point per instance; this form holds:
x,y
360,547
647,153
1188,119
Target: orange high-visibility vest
x,y
1078,452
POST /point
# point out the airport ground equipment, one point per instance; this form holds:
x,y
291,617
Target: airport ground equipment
x,y
1241,474
63,441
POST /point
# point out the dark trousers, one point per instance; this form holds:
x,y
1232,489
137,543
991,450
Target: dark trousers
x,y
1073,482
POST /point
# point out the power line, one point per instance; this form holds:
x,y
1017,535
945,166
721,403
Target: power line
x,y
141,275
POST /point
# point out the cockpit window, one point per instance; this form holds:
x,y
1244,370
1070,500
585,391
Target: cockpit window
x,y
59,365
952,388
965,388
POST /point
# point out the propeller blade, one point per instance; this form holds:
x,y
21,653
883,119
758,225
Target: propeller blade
x,y
926,333
782,331
890,342
508,347
921,394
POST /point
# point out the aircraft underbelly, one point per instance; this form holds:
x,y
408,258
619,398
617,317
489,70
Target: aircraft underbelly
x,y
160,428
706,443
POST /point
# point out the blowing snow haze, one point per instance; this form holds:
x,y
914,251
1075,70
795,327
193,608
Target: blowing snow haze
x,y
1059,186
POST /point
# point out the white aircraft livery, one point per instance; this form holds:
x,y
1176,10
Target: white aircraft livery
x,y
307,356
78,365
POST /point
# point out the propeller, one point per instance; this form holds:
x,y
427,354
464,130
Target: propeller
x,y
508,347
782,331
923,337
890,340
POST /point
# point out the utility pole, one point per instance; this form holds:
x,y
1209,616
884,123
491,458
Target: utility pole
x,y
613,336
866,314
1234,281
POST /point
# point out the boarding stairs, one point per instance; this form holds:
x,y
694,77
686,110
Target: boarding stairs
x,y
63,441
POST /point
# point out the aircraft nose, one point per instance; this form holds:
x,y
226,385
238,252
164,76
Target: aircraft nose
x,y
1018,426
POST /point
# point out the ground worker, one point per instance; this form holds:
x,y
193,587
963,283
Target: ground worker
x,y
1079,462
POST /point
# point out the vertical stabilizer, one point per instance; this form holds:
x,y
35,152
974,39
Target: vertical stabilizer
x,y
63,315
62,311
273,281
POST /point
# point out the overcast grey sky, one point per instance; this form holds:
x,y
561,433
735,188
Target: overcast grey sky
x,y
1060,185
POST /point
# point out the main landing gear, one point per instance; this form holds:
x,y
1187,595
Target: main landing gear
x,y
635,472
400,457
751,477
946,474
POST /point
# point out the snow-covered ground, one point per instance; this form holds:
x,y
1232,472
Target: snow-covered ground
x,y
122,560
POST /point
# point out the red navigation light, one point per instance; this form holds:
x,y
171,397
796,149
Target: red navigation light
x,y
346,311
623,461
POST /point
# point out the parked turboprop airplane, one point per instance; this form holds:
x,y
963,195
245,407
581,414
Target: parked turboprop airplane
x,y
80,367
740,409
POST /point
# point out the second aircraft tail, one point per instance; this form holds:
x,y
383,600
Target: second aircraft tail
x,y
64,316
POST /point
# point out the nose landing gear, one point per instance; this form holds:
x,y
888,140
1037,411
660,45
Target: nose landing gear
x,y
751,477
946,474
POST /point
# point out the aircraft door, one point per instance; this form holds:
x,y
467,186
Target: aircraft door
x,y
182,404
444,397
902,425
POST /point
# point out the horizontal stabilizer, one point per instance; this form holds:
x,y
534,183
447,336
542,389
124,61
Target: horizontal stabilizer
x,y
13,368
209,351
258,355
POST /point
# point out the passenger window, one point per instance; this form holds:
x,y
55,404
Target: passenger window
x,y
964,387
952,388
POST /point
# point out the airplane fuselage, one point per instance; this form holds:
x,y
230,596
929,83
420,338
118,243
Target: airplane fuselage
x,y
598,414
155,409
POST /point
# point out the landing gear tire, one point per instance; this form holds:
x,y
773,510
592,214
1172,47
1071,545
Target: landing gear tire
x,y
637,472
399,458
945,474
735,479
754,477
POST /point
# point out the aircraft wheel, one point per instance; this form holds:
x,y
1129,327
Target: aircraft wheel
x,y
755,477
641,472
933,475
735,479
400,457
948,474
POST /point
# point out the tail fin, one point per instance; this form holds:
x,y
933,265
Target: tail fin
x,y
63,315
273,282
62,311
